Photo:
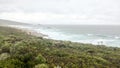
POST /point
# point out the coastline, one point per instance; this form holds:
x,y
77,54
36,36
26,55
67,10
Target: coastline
x,y
30,31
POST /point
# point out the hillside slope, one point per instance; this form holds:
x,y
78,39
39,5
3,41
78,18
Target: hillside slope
x,y
19,50
8,22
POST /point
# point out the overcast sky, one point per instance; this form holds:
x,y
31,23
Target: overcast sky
x,y
61,11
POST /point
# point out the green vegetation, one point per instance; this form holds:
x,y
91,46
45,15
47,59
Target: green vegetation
x,y
19,50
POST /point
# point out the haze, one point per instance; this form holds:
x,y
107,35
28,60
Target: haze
x,y
100,12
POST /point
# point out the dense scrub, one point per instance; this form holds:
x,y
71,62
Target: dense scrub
x,y
19,50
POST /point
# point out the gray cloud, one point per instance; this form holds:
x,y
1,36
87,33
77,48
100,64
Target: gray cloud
x,y
87,11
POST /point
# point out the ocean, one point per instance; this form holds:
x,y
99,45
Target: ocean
x,y
108,35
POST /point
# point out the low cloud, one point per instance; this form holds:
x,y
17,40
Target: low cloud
x,y
61,11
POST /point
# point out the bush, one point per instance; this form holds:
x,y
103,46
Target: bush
x,y
41,66
11,63
40,59
4,56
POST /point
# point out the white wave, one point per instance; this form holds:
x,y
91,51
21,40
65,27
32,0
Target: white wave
x,y
116,37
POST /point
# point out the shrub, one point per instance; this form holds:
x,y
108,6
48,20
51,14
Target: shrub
x,y
40,59
41,66
4,56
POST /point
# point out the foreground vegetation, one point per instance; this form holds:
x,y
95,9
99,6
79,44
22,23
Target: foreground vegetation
x,y
19,50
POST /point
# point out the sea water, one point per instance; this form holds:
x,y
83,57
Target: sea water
x,y
108,35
